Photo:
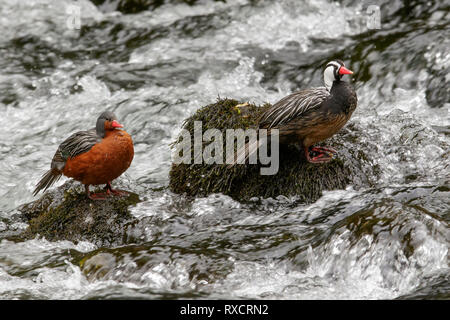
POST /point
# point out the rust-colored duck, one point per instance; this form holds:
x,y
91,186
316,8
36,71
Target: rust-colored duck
x,y
93,157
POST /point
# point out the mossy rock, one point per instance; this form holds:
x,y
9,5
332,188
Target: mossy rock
x,y
295,177
66,213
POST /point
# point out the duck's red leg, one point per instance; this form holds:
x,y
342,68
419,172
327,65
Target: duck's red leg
x,y
324,149
109,190
325,155
94,196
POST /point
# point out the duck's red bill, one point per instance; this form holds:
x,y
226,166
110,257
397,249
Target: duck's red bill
x,y
115,124
344,70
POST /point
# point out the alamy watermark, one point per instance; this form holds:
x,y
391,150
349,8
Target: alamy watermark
x,y
208,147
373,17
73,21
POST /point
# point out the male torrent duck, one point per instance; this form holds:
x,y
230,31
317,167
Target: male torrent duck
x,y
309,116
93,157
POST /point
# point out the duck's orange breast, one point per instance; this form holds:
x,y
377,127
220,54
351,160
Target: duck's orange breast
x,y
104,162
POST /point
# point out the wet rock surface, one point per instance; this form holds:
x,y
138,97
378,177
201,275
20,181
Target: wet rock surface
x,y
65,213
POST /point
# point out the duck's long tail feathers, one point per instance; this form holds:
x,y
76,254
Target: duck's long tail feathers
x,y
49,178
244,153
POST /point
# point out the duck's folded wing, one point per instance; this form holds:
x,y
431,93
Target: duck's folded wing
x,y
78,143
293,106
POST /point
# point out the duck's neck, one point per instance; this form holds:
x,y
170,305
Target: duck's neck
x,y
342,94
331,85
109,133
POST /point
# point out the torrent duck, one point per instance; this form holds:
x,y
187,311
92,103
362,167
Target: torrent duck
x,y
93,157
309,116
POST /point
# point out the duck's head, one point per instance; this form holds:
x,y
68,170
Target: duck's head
x,y
107,121
333,72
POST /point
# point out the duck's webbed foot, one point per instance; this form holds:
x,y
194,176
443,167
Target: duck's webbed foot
x,y
110,190
321,154
324,150
95,196
98,196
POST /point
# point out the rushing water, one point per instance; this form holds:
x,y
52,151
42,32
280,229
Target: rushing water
x,y
385,240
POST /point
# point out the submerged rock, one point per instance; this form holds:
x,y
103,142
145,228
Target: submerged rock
x,y
295,176
65,213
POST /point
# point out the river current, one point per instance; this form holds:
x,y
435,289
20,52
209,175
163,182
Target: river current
x,y
384,240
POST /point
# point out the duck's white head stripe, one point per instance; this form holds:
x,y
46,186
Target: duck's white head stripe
x,y
331,73
334,63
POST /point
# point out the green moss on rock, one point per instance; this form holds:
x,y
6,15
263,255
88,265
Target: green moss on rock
x,y
67,214
295,177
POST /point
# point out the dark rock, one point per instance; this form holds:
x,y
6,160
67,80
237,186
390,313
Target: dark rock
x,y
66,213
438,91
295,176
135,6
